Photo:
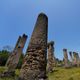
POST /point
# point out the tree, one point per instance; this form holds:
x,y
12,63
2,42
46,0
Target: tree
x,y
4,54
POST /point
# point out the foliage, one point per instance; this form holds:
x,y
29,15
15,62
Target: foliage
x,y
4,54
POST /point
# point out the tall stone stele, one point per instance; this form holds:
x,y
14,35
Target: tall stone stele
x,y
51,58
34,67
16,53
66,65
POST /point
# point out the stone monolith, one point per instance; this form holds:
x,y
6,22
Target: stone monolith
x,y
51,58
34,66
13,59
65,58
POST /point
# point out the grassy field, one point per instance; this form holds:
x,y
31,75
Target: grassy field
x,y
65,74
58,74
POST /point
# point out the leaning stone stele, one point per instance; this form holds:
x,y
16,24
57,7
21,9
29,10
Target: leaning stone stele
x,y
34,66
13,59
11,54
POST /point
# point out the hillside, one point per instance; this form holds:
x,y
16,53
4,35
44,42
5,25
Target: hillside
x,y
65,74
58,74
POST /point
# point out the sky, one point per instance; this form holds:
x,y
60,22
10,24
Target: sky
x,y
19,16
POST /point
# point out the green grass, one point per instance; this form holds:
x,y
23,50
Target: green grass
x,y
65,74
2,69
58,74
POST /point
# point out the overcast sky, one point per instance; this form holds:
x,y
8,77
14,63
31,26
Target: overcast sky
x,y
19,16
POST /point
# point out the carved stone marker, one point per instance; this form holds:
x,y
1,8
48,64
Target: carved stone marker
x,y
34,67
15,55
65,58
51,58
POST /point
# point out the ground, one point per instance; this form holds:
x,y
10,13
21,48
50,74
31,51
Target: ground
x,y
65,74
58,74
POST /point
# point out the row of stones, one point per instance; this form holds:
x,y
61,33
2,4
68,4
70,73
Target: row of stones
x,y
75,60
35,61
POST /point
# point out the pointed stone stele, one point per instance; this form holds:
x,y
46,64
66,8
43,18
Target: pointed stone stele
x,y
34,66
51,58
66,64
13,59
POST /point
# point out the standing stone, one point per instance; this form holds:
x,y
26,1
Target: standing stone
x,y
10,71
34,67
51,58
65,58
70,53
7,63
17,42
71,56
15,55
76,59
78,62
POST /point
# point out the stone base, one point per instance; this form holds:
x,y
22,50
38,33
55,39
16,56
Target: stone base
x,y
45,78
35,79
50,70
8,74
67,67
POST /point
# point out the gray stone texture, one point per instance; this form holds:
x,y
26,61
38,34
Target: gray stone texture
x,y
71,57
65,58
34,66
16,53
76,59
51,58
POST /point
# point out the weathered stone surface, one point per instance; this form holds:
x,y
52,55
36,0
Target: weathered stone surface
x,y
34,67
9,59
17,43
65,58
15,55
70,53
8,74
71,57
76,59
51,58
